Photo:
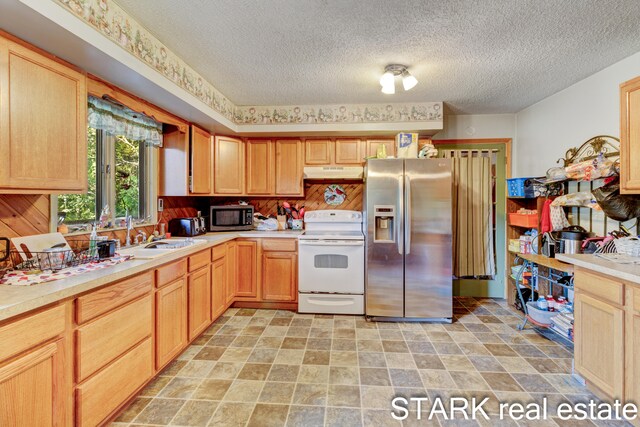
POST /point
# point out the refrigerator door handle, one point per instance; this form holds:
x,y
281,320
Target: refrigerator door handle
x,y
399,228
407,220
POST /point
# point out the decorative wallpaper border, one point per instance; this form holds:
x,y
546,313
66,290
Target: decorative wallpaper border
x,y
338,114
113,22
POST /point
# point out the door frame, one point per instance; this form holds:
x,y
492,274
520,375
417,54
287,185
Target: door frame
x,y
496,288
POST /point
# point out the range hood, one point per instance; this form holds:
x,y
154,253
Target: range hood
x,y
333,172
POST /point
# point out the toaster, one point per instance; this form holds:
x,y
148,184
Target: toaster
x,y
187,227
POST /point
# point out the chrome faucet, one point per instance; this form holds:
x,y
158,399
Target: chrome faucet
x,y
140,234
129,225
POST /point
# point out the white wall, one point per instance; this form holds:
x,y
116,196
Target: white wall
x,y
478,126
547,129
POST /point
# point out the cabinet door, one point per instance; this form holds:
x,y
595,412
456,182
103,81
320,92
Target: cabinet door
x,y
247,284
218,286
289,167
373,144
32,388
201,161
348,152
232,272
43,123
199,284
228,166
632,355
317,152
260,166
630,137
279,276
171,321
599,343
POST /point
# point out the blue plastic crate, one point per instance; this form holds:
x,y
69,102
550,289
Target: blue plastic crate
x,y
520,187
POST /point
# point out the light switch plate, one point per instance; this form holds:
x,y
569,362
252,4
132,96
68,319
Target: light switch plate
x,y
160,205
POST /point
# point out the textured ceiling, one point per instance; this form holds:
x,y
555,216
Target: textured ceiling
x,y
482,56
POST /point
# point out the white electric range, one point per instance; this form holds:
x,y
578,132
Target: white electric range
x,y
331,263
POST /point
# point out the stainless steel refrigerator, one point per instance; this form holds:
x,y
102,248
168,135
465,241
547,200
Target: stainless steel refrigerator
x,y
408,239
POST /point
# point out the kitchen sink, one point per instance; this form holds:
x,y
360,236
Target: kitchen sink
x,y
160,248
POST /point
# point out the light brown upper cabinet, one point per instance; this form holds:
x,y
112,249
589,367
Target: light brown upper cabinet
x,y
43,123
348,152
185,162
228,166
260,166
371,147
201,161
630,137
289,167
317,152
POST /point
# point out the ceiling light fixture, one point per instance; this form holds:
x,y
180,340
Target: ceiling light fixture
x,y
391,71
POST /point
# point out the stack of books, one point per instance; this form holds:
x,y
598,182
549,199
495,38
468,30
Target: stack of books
x,y
562,323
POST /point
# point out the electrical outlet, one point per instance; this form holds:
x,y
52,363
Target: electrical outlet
x,y
160,205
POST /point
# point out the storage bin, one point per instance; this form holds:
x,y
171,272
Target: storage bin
x,y
523,220
520,187
540,316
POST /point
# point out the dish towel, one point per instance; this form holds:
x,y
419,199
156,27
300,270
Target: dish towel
x,y
34,277
546,225
558,218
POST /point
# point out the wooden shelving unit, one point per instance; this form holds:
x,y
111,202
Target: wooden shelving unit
x,y
515,231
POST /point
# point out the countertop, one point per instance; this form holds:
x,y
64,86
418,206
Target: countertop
x,y
15,300
627,272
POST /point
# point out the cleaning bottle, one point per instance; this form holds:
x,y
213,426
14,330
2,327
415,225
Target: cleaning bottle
x,y
93,241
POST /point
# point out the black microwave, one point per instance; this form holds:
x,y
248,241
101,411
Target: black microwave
x,y
231,217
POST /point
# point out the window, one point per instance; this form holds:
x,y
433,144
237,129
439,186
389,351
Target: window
x,y
119,176
121,168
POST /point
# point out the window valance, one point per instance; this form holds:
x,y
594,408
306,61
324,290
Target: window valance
x,y
119,120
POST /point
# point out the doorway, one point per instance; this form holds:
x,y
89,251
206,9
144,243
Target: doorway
x,y
499,151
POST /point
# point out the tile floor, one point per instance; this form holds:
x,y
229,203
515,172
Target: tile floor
x,y
277,368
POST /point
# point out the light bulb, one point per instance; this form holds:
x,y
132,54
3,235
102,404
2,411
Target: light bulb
x,y
386,79
389,88
408,81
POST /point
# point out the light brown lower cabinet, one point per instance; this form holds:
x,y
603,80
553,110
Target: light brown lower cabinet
x,y
599,344
103,393
199,284
246,285
103,340
171,321
110,342
632,343
31,388
218,285
279,276
35,369
232,272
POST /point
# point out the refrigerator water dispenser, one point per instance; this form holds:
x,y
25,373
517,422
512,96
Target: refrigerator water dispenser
x,y
385,222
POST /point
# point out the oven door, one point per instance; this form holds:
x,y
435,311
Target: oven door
x,y
335,266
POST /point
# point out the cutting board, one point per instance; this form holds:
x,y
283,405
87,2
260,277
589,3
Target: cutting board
x,y
29,244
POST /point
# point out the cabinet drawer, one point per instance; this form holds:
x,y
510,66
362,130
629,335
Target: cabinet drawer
x,y
170,272
104,339
19,335
218,251
101,301
286,245
600,286
98,397
199,260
